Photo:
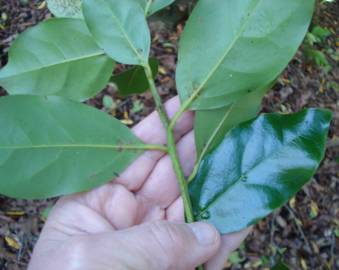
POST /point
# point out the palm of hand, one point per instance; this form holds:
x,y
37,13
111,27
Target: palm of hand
x,y
147,191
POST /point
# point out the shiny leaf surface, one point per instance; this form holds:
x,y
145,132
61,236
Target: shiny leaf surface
x,y
258,166
120,28
229,47
65,8
50,146
211,126
57,57
134,80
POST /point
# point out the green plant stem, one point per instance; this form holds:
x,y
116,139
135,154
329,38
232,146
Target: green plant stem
x,y
179,113
148,6
172,151
184,107
158,103
171,145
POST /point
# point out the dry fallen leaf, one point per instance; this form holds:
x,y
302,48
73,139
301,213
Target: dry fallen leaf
x,y
12,243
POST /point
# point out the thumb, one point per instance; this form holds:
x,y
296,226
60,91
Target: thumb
x,y
165,245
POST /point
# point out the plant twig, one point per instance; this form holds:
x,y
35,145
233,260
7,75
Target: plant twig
x,y
158,103
171,146
299,227
148,6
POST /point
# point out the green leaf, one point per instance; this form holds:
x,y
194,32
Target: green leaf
x,y
152,6
65,8
235,258
211,126
319,58
120,28
280,266
320,33
51,146
230,47
259,165
134,80
57,57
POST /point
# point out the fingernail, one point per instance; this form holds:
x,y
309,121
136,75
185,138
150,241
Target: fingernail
x,y
205,233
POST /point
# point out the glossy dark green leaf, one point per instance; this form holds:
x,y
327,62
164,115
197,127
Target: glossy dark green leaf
x,y
65,8
57,57
152,6
211,126
229,47
120,28
258,166
50,146
134,80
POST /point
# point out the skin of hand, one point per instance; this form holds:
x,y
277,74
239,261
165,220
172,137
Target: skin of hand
x,y
137,221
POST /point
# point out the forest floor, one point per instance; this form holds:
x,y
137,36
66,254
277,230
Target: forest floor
x,y
305,232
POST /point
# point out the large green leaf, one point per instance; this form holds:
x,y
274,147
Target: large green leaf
x,y
134,80
229,47
57,57
72,8
50,146
65,8
258,167
152,6
120,28
211,126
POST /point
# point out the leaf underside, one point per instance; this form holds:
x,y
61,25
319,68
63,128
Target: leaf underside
x,y
258,166
72,8
120,28
57,57
210,126
65,8
230,47
75,149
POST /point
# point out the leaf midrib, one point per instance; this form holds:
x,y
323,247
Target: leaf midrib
x,y
215,133
129,42
70,60
99,146
228,49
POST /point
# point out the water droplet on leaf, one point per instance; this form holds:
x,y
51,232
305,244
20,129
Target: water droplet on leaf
x,y
205,215
243,178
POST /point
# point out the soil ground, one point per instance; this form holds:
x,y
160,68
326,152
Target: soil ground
x,y
305,231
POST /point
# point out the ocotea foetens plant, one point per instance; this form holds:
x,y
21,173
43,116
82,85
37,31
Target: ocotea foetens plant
x,y
229,54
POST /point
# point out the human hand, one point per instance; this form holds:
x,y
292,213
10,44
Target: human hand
x,y
137,221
